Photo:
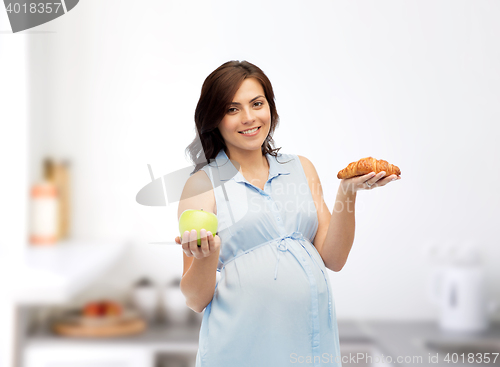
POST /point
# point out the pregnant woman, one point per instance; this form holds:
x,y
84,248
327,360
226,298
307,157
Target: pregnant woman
x,y
261,280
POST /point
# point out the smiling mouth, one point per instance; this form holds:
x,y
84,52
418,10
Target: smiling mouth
x,y
243,132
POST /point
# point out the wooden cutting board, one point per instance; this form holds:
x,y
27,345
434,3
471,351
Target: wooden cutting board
x,y
120,328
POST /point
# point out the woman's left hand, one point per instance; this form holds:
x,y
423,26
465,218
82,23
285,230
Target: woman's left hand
x,y
366,182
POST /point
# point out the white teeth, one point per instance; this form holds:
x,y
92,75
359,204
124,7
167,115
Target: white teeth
x,y
250,131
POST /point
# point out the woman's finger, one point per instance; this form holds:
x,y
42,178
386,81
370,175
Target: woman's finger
x,y
193,244
185,244
386,180
204,243
379,180
373,181
211,241
366,178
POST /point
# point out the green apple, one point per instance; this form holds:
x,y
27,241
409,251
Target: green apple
x,y
197,219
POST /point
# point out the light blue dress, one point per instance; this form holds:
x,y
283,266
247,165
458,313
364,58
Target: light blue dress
x,y
272,304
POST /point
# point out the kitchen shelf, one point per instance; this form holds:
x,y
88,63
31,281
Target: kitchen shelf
x,y
54,274
156,338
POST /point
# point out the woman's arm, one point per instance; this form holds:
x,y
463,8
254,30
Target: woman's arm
x,y
200,263
337,242
198,283
335,235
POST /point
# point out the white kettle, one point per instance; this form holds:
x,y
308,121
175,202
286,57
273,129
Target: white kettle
x,y
458,288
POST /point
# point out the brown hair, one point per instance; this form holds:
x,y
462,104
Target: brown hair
x,y
216,96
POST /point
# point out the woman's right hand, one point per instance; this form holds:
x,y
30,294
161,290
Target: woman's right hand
x,y
209,243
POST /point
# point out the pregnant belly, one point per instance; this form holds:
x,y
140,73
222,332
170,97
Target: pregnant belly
x,y
250,280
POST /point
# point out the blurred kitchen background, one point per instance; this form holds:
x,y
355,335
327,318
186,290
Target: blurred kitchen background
x,y
90,99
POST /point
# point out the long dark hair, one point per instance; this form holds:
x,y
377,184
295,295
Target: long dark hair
x,y
216,96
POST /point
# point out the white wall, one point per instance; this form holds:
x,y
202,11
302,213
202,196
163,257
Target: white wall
x,y
14,148
414,82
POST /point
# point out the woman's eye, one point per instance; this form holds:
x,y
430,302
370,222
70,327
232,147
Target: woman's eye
x,y
259,104
231,109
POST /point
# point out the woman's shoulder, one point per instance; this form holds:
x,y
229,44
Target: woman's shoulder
x,y
308,168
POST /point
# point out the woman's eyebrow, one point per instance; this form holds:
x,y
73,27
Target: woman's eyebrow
x,y
239,104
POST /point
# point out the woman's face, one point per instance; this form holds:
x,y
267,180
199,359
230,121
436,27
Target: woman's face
x,y
248,111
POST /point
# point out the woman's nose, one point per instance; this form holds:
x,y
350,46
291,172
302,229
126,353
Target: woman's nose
x,y
248,115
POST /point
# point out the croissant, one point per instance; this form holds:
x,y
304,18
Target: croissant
x,y
367,165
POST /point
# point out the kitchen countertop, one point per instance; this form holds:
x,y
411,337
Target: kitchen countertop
x,y
395,339
406,339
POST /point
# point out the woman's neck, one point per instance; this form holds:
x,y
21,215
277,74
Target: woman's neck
x,y
251,162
